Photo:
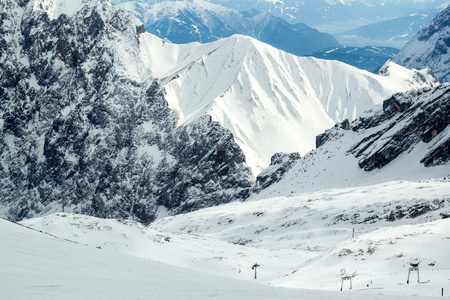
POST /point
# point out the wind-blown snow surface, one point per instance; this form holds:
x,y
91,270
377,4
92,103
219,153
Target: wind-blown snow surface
x,y
38,266
270,100
301,241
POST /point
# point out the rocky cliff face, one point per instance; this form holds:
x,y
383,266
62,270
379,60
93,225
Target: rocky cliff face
x,y
411,118
280,163
84,126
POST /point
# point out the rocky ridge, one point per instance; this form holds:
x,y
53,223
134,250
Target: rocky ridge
x,y
84,126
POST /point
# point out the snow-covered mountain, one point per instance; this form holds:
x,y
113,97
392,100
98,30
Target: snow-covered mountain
x,y
407,140
272,101
430,47
185,21
364,202
335,16
102,118
85,126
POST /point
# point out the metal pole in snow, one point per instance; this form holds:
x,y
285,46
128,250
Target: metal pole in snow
x,y
254,267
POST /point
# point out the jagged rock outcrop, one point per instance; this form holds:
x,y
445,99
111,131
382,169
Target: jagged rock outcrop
x,y
280,163
84,126
332,133
409,119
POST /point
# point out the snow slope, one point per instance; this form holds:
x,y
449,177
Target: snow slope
x,y
270,100
38,266
382,260
292,238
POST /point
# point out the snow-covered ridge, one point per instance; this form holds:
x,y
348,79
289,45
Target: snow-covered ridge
x,y
270,100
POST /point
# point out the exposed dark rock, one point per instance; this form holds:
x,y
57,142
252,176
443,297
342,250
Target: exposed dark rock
x,y
280,163
77,132
332,133
410,118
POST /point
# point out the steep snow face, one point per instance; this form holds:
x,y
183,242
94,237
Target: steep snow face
x,y
408,140
430,48
270,100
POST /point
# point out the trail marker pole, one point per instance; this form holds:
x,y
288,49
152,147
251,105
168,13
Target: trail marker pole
x,y
254,268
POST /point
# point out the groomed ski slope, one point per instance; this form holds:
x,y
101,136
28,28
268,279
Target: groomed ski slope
x,y
300,241
39,266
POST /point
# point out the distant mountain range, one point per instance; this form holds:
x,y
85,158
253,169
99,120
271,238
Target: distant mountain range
x,y
366,58
430,48
393,33
186,21
335,16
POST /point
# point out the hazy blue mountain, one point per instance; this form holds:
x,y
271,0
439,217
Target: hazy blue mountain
x,y
394,33
367,58
335,16
186,21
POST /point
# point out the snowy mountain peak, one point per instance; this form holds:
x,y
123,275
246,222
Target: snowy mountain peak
x,y
273,101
